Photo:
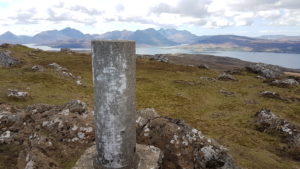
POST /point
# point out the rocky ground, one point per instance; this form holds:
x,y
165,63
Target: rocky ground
x,y
207,113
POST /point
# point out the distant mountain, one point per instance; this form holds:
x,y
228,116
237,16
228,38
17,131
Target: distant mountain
x,y
147,37
9,37
58,35
233,42
280,37
72,38
178,36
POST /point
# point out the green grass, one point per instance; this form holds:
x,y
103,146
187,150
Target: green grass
x,y
173,90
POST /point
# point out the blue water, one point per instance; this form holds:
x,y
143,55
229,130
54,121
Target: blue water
x,y
288,60
282,59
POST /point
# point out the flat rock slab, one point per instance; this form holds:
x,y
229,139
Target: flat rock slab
x,y
150,157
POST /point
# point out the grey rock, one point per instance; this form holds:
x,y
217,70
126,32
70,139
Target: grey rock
x,y
265,70
150,157
226,77
16,94
6,60
182,145
160,58
76,106
272,95
285,83
38,68
268,122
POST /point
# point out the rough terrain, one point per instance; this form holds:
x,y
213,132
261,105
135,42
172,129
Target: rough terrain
x,y
177,91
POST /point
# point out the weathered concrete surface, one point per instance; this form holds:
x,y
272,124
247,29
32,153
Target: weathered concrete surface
x,y
150,157
114,95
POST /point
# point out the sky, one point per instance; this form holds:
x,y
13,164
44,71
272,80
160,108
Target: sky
x,y
201,17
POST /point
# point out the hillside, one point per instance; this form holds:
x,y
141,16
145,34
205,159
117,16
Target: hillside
x,y
183,92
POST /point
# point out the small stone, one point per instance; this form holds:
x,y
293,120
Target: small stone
x,y
226,77
38,68
16,94
227,93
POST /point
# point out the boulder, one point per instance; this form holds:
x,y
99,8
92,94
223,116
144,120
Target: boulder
x,y
160,58
76,106
265,70
17,95
182,145
285,83
6,60
226,77
268,122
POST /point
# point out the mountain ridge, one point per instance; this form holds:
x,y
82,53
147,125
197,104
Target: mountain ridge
x,y
73,38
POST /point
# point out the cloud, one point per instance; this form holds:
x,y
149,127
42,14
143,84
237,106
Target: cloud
x,y
57,17
120,7
25,17
86,10
116,14
194,8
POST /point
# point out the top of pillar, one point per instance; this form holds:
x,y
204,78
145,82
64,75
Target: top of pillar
x,y
113,41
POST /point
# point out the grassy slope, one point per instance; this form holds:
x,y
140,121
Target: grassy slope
x,y
226,119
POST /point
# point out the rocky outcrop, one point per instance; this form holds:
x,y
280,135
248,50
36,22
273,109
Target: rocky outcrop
x,y
157,57
49,134
46,133
160,58
265,70
65,72
268,122
182,145
285,83
6,60
226,77
17,95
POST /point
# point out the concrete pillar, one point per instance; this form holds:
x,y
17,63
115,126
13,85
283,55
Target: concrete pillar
x,y
114,97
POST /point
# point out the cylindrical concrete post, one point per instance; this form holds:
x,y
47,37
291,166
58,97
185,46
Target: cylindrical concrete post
x,y
114,97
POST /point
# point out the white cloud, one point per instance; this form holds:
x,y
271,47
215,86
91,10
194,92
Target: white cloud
x,y
101,16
